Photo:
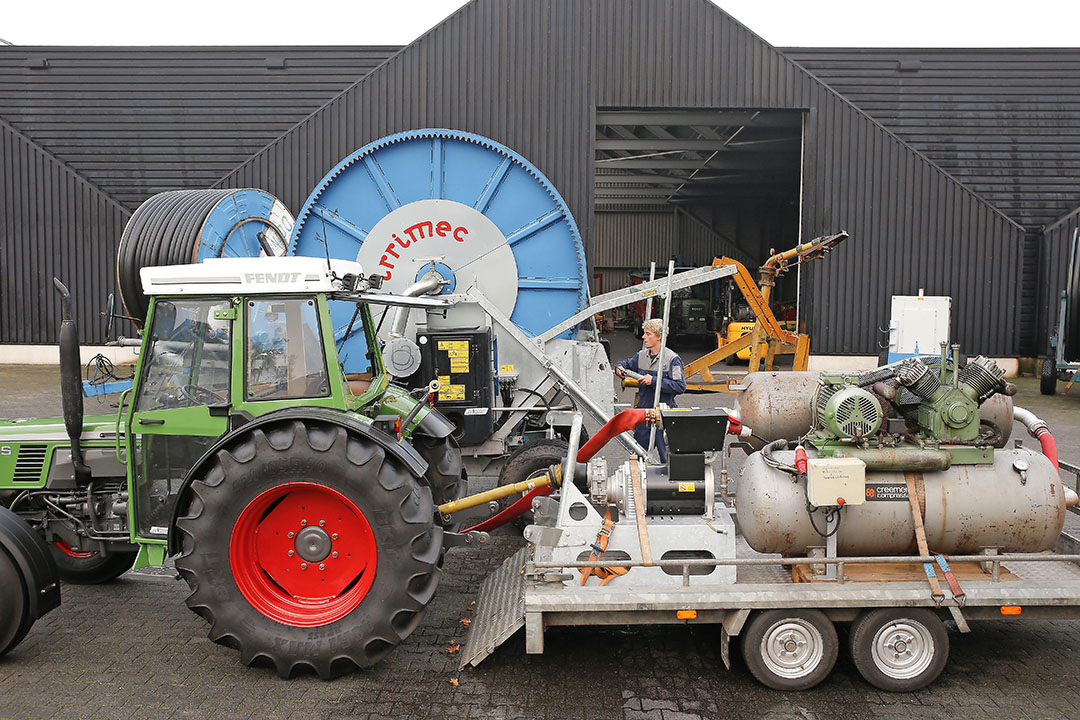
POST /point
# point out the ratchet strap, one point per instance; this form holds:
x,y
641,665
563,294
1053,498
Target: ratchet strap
x,y
606,575
639,513
917,499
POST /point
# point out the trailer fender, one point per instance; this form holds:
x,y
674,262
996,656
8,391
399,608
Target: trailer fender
x,y
404,452
434,425
34,561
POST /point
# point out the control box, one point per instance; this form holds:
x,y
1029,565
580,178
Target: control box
x,y
461,360
835,481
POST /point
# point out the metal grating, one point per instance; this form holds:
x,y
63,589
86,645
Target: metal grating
x,y
500,610
30,463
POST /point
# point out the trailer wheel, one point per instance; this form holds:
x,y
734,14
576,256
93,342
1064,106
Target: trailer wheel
x,y
790,649
899,649
90,568
529,460
1048,377
15,619
306,546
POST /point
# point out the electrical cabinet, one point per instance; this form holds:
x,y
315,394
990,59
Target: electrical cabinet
x,y
461,360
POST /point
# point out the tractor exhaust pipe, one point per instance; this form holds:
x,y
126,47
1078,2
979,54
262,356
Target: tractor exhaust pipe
x,y
70,385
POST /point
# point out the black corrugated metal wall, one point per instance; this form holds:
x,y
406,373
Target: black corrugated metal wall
x,y
53,223
1056,252
531,73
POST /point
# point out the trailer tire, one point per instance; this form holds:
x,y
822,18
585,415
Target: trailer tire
x,y
1048,377
921,656
526,461
308,546
15,618
790,649
90,568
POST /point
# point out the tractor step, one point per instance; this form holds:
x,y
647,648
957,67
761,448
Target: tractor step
x,y
500,609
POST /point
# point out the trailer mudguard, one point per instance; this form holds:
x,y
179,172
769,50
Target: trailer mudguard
x,y
434,425
402,451
34,561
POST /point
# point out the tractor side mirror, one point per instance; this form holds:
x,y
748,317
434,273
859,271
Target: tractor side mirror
x,y
109,316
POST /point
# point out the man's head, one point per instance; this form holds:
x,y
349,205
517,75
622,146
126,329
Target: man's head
x,y
651,330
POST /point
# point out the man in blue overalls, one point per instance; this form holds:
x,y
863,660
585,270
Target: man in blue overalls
x,y
647,362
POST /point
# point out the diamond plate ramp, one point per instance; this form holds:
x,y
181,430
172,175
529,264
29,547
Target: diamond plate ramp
x,y
500,610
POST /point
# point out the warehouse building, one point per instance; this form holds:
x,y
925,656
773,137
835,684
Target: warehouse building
x,y
669,128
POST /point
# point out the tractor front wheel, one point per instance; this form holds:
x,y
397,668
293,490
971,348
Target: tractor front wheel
x,y
90,568
306,546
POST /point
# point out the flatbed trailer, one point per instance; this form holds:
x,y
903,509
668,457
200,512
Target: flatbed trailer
x,y
528,590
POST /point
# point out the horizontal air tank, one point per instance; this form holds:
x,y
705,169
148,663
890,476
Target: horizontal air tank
x,y
1016,505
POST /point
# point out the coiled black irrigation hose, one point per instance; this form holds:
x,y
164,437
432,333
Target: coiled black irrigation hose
x,y
168,229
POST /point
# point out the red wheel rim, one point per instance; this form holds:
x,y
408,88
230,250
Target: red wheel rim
x,y
72,552
303,554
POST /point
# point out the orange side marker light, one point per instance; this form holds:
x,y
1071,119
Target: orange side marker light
x,y
1011,609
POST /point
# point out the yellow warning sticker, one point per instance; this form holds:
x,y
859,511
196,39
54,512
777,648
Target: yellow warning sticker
x,y
457,353
445,396
506,368
687,487
648,293
455,388
459,365
444,380
453,344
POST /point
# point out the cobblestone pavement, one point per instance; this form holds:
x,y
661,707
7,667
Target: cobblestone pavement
x,y
131,649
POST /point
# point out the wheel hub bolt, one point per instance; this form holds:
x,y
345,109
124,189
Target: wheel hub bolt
x,y
322,523
291,533
333,554
333,536
303,566
303,523
291,553
322,566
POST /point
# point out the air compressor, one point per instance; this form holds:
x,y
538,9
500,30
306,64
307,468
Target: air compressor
x,y
914,426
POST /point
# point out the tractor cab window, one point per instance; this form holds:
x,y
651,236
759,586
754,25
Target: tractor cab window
x,y
284,357
187,359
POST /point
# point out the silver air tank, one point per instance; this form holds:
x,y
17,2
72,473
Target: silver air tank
x,y
776,405
1017,505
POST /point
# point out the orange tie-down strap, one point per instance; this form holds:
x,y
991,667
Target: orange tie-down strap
x,y
606,575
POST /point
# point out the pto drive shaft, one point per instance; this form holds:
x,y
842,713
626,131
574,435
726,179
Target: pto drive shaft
x,y
552,478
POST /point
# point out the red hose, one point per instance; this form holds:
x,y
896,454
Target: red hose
x,y
626,420
1049,446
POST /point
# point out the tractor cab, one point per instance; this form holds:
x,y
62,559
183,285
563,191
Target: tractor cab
x,y
226,341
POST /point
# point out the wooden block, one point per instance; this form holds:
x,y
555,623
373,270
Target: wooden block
x,y
899,572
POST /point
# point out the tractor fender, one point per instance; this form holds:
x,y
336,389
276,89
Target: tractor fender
x,y
403,451
34,561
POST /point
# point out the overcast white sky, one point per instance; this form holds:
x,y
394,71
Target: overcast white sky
x,y
865,23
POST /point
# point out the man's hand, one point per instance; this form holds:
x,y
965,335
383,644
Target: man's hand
x,y
646,380
620,371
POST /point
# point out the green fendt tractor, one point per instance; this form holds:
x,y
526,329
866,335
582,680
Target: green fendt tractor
x,y
299,500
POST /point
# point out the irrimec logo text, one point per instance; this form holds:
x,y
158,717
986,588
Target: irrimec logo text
x,y
419,231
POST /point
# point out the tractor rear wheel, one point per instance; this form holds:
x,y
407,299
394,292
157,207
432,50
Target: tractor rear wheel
x,y
306,546
15,620
90,568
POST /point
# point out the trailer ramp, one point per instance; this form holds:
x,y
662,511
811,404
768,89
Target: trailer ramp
x,y
500,609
